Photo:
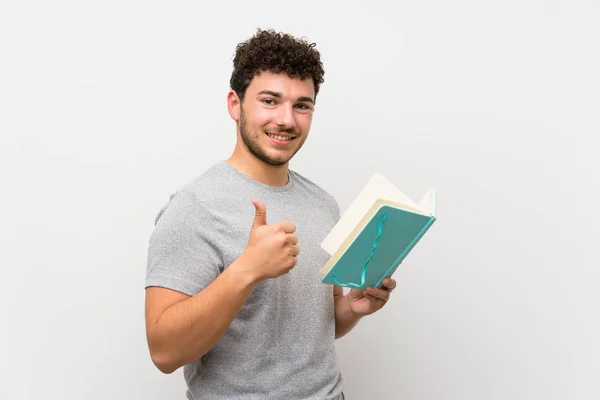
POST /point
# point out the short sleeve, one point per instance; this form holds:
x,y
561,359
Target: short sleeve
x,y
336,209
181,256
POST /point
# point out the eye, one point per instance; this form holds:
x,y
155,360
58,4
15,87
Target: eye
x,y
303,106
269,102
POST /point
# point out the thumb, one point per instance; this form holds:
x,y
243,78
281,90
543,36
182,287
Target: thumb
x,y
260,216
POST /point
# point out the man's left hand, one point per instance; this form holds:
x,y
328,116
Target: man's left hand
x,y
366,302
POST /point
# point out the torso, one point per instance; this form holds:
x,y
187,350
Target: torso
x,y
281,344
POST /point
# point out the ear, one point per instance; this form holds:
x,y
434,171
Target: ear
x,y
234,105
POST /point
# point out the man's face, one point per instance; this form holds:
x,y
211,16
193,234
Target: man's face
x,y
275,116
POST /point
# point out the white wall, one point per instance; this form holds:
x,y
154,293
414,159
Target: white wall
x,y
107,107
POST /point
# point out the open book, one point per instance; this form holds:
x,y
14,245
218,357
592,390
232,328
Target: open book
x,y
375,234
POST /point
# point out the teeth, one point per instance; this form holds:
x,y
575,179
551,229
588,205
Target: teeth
x,y
279,137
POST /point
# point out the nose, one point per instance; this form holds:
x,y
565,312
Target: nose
x,y
285,117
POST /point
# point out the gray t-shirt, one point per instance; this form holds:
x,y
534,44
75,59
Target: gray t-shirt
x,y
281,344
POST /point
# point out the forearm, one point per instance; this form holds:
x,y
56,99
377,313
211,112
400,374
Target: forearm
x,y
188,329
345,319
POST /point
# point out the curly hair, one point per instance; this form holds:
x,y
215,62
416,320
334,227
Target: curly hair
x,y
275,52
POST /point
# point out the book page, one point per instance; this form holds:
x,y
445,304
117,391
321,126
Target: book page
x,y
428,202
377,188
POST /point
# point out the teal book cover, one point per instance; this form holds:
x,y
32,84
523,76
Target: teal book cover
x,y
375,235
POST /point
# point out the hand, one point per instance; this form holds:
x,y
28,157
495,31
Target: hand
x,y
366,302
272,249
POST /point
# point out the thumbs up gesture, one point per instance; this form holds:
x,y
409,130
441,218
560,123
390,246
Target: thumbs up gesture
x,y
272,248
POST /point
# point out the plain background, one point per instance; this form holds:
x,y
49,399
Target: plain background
x,y
106,108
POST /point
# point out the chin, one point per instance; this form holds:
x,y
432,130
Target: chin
x,y
275,161
274,157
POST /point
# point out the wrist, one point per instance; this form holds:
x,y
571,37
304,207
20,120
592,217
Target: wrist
x,y
345,317
243,270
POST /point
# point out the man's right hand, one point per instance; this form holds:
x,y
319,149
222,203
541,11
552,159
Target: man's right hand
x,y
272,248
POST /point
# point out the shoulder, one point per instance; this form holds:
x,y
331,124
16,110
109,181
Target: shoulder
x,y
311,186
193,199
316,191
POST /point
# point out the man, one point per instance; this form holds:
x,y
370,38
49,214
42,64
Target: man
x,y
233,292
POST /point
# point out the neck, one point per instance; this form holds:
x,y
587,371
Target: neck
x,y
265,173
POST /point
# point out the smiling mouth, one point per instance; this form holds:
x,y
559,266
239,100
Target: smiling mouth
x,y
279,137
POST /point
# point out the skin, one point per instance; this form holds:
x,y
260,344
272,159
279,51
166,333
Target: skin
x,y
182,328
276,104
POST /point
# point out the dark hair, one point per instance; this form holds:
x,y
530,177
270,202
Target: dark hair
x,y
275,52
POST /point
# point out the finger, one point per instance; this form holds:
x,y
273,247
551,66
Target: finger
x,y
292,239
295,250
355,293
260,215
379,293
375,300
389,283
288,227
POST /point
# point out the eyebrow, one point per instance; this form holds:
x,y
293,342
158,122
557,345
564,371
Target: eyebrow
x,y
278,95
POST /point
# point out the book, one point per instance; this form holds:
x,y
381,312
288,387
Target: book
x,y
375,234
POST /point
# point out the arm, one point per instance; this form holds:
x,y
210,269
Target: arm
x,y
182,328
345,318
